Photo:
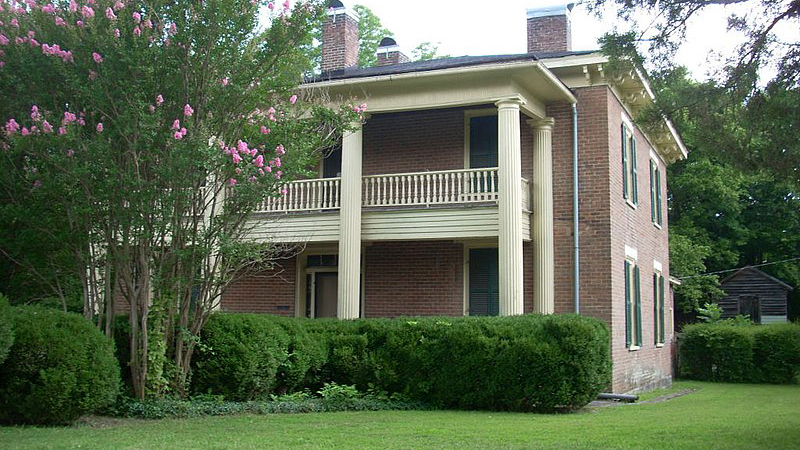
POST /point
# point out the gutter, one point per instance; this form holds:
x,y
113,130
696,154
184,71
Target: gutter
x,y
576,278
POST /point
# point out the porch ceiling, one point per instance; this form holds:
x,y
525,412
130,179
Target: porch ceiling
x,y
463,86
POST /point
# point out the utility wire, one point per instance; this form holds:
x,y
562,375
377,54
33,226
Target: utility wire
x,y
740,268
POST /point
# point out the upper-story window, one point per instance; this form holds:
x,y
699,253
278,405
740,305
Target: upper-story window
x,y
482,141
658,307
630,174
656,214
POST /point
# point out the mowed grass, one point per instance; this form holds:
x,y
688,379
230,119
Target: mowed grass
x,y
716,416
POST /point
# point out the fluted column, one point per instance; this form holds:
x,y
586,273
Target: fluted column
x,y
510,207
542,220
349,283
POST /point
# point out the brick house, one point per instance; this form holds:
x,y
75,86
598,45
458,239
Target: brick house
x,y
457,196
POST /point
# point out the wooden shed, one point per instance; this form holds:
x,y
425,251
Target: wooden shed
x,y
761,296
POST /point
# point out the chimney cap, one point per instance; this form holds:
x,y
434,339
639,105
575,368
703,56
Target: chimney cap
x,y
546,11
335,4
387,42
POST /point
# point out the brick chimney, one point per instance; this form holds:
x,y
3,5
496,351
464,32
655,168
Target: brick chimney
x,y
339,38
549,29
389,53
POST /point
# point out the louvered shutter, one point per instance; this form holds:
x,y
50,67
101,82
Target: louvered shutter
x,y
634,173
638,304
624,162
661,304
656,299
627,304
484,297
658,198
652,193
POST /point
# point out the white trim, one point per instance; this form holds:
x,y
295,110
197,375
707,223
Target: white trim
x,y
388,49
631,253
333,12
657,266
548,11
627,121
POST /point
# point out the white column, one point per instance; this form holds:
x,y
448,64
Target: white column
x,y
542,220
349,284
510,207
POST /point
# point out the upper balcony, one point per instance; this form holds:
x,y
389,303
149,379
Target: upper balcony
x,y
417,205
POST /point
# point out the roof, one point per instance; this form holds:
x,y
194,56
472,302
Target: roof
x,y
437,64
760,273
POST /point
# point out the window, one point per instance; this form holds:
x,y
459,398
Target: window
x,y
630,175
482,141
655,193
658,308
633,306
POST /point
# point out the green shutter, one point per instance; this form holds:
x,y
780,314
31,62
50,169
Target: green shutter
x,y
638,305
627,304
652,192
661,304
624,161
656,322
658,197
634,173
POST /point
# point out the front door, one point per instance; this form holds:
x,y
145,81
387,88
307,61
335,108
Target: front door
x,y
321,294
484,287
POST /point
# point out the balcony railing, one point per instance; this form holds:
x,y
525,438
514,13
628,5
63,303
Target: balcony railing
x,y
447,187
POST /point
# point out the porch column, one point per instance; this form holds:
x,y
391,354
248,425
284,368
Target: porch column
x,y
349,282
510,206
542,218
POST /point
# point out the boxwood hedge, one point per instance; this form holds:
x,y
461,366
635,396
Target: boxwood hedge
x,y
523,363
749,354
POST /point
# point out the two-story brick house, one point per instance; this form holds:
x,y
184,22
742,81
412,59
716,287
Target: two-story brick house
x,y
466,192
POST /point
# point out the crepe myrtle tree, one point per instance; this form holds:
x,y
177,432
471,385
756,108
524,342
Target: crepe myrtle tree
x,y
143,134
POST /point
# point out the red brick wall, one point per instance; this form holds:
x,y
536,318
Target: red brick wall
x,y
271,291
413,278
339,42
649,366
549,34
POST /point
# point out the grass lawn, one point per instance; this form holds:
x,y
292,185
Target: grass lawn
x,y
717,416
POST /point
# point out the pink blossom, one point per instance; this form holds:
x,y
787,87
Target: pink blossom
x,y
35,114
137,32
81,121
278,174
148,24
241,146
46,127
236,158
60,22
33,42
70,153
79,23
284,191
110,14
271,111
277,161
48,9
280,150
19,40
187,110
183,132
177,135
173,29
261,172
116,32
225,81
97,58
25,131
232,182
3,40
87,12
118,5
11,127
259,161
2,64
73,6
293,99
159,100
176,125
62,131
100,127
14,23
238,170
285,5
271,5
137,18
151,108
268,168
264,130
92,75
68,118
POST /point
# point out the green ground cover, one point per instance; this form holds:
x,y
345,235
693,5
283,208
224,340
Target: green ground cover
x,y
716,416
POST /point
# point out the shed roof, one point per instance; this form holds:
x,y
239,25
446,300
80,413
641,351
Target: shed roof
x,y
759,273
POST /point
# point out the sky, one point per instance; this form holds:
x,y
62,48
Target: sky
x,y
472,27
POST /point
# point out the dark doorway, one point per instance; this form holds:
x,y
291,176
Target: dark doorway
x,y
751,306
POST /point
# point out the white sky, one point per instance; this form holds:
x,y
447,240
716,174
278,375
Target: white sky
x,y
472,27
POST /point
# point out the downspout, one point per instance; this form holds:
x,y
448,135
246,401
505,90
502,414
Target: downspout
x,y
576,288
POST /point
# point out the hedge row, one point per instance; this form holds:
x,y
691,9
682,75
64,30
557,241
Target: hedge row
x,y
58,368
745,354
524,363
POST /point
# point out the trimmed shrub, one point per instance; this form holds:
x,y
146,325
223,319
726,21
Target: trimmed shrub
x,y
59,368
726,352
239,356
6,328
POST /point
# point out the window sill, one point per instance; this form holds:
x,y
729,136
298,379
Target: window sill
x,y
634,348
659,345
657,225
631,204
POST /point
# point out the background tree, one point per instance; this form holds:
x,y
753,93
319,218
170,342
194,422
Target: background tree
x,y
145,133
426,51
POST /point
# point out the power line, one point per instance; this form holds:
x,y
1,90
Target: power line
x,y
740,268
